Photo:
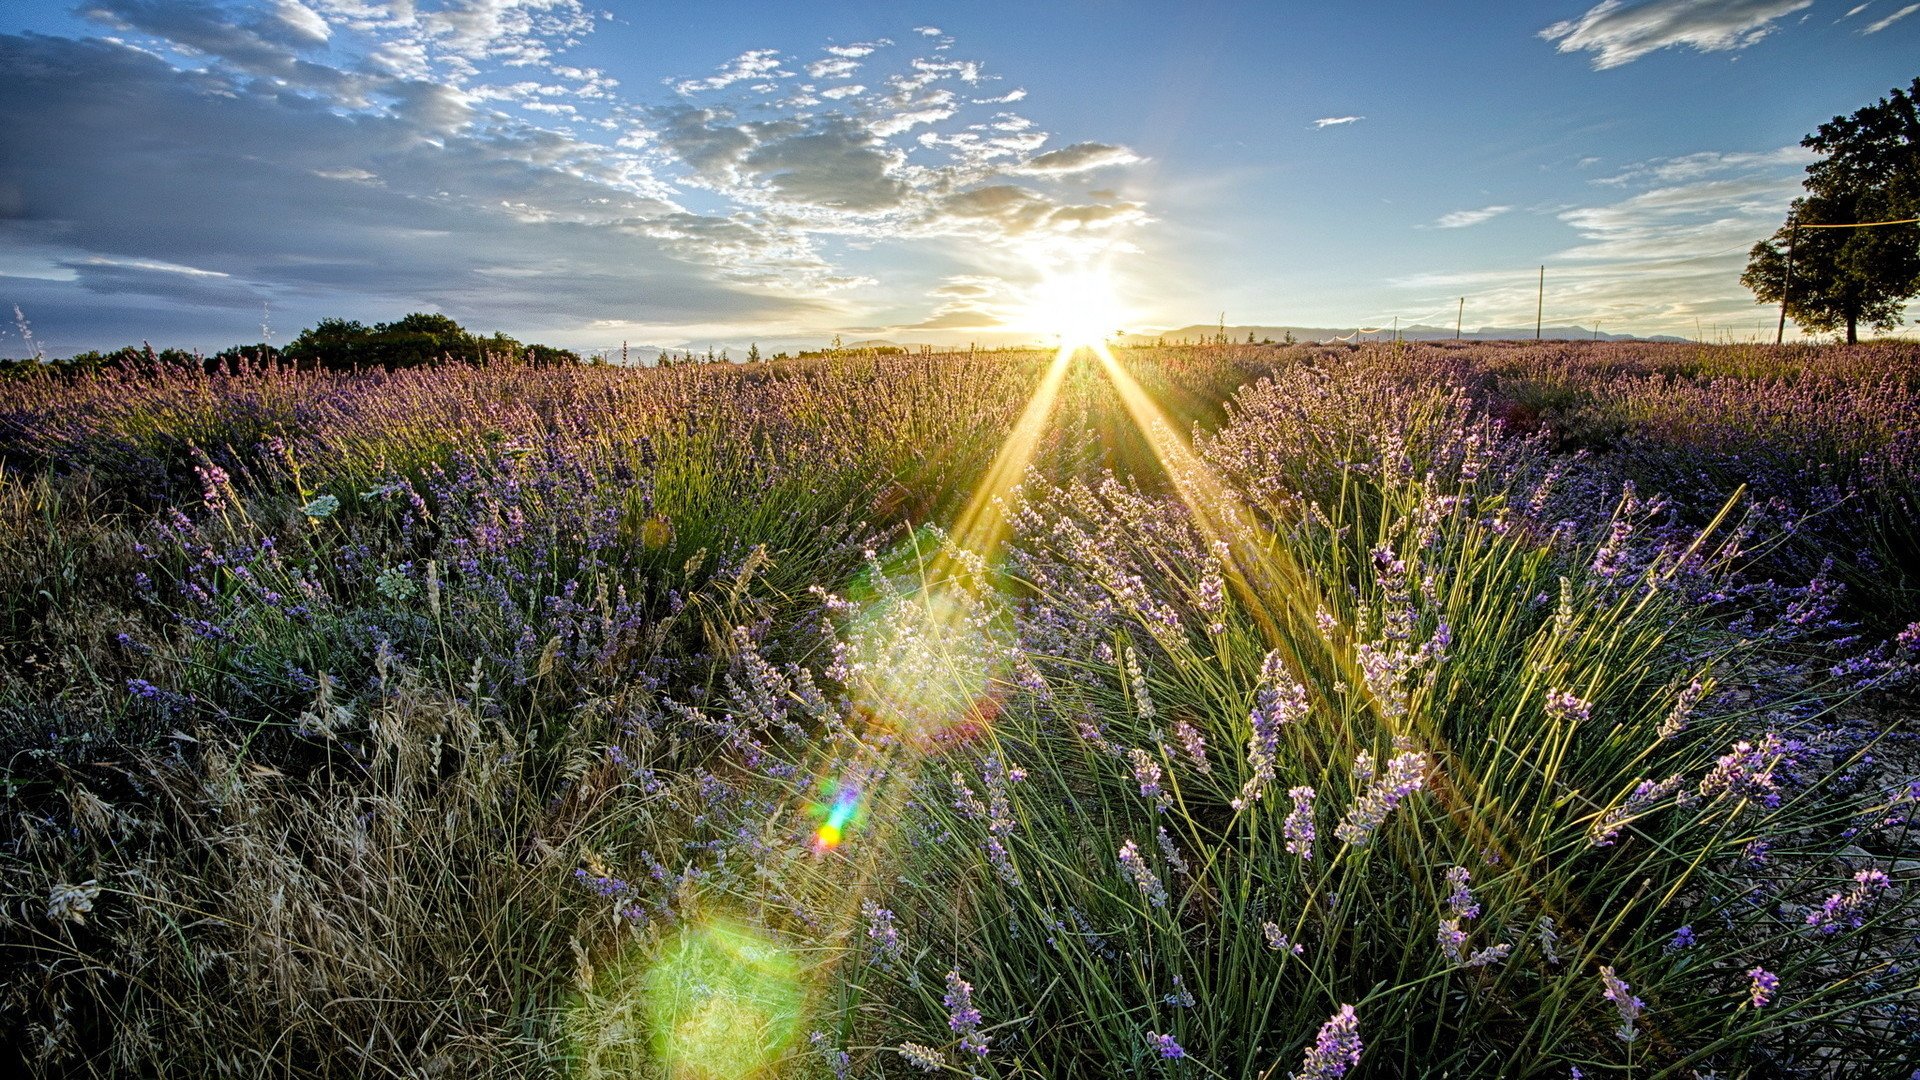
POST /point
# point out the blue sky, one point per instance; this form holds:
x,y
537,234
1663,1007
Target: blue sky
x,y
680,174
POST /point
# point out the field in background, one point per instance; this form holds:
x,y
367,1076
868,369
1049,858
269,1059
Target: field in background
x,y
1253,711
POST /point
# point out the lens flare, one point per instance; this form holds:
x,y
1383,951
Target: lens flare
x,y
838,816
927,641
723,1002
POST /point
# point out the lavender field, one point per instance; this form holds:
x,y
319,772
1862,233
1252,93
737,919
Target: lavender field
x,y
1221,711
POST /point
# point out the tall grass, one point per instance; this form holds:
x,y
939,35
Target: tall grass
x,y
493,720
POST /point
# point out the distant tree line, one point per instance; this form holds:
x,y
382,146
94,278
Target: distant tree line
x,y
331,344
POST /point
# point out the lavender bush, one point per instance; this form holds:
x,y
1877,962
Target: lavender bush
x,y
1440,709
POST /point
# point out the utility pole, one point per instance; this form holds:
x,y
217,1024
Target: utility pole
x,y
1457,316
1780,335
1539,303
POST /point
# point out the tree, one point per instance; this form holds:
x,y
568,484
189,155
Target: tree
x,y
1869,171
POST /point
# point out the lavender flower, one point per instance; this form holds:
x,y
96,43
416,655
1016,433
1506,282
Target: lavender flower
x,y
1278,942
1170,851
1335,1050
837,1059
1606,828
1146,773
1137,679
1181,998
1195,745
1565,708
1166,1046
1748,770
1142,875
887,947
1762,988
1298,829
924,1058
1277,702
1629,1007
1460,900
962,1017
1682,939
1406,774
1682,711
1847,911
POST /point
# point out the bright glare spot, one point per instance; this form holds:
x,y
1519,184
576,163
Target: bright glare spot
x,y
923,656
1079,306
722,1002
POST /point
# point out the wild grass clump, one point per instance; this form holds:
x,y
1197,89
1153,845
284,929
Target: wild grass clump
x,y
500,720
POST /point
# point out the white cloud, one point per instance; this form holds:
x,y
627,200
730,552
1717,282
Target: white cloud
x,y
1708,163
1336,121
837,68
1080,157
1618,33
928,31
1882,24
752,64
1460,219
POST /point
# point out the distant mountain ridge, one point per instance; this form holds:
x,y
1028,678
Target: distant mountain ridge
x,y
1415,332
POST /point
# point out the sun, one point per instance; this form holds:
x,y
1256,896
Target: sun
x,y
1078,306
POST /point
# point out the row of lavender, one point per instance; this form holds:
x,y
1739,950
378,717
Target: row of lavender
x,y
599,721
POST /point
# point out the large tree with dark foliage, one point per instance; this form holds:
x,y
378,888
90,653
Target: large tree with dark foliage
x,y
1869,171
419,338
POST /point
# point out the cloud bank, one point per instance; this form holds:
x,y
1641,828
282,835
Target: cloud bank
x,y
193,163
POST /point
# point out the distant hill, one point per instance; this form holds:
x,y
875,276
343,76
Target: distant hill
x,y
1416,332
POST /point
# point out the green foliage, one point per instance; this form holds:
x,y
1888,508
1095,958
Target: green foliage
x,y
1841,277
410,341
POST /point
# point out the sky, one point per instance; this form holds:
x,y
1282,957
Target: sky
x,y
201,173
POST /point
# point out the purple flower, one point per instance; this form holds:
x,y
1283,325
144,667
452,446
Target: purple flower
x,y
1142,875
1565,708
1847,910
1629,1007
1405,774
1765,983
1682,939
1194,743
1277,702
1166,1046
1335,1050
1747,771
1298,827
881,931
1278,942
1460,900
1146,773
962,1017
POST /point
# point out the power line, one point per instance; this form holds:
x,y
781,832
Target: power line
x,y
1862,224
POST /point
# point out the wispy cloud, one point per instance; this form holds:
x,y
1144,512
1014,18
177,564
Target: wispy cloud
x,y
1618,33
1460,219
1336,121
1882,24
1657,257
1080,157
1708,163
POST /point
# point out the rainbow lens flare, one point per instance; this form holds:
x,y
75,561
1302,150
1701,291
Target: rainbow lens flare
x,y
839,816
